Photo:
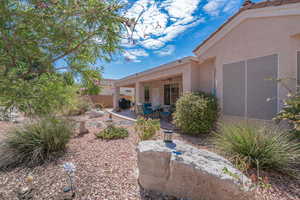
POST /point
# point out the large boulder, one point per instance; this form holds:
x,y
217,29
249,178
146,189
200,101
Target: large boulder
x,y
184,171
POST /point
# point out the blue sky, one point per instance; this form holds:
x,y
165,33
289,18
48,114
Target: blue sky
x,y
166,31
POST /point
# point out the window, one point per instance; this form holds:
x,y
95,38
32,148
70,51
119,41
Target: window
x,y
171,93
147,93
167,95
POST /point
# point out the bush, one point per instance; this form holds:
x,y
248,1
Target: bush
x,y
291,112
36,142
146,128
112,133
79,106
260,147
196,113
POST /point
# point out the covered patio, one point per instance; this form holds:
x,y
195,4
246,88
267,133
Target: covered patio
x,y
159,87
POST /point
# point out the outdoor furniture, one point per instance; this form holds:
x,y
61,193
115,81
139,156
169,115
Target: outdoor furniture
x,y
156,109
165,113
124,103
145,110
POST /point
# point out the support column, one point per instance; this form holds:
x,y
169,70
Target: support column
x,y
187,80
138,92
116,97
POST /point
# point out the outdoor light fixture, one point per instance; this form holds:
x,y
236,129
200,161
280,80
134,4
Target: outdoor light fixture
x,y
110,120
168,136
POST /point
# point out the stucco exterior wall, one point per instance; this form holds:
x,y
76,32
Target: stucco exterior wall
x,y
202,76
259,37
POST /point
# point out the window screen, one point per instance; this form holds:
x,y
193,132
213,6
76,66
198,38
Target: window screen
x,y
234,89
262,85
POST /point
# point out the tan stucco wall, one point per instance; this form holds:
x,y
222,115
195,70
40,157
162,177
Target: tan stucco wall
x,y
202,76
255,38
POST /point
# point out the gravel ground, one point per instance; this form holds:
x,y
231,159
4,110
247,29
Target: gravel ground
x,y
107,170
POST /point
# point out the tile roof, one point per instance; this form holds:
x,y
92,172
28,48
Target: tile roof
x,y
249,6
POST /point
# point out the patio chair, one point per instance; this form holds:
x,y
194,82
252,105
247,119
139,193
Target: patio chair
x,y
145,111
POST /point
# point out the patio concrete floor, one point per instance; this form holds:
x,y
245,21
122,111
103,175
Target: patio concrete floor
x,y
132,116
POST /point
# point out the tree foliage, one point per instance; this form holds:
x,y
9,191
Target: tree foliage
x,y
40,96
40,39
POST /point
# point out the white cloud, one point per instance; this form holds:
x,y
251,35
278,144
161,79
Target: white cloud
x,y
159,22
172,32
180,8
133,54
215,7
162,22
152,43
151,22
168,50
232,6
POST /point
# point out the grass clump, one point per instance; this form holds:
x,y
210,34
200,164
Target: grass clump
x,y
112,133
146,128
36,142
259,147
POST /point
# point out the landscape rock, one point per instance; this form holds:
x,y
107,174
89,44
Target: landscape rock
x,y
184,171
95,113
82,129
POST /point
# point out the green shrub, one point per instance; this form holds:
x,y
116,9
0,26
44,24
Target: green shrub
x,y
146,128
196,113
260,147
79,106
36,142
112,133
291,112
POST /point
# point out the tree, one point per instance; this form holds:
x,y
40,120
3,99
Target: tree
x,y
42,38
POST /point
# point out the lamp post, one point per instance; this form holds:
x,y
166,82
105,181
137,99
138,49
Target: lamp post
x,y
168,134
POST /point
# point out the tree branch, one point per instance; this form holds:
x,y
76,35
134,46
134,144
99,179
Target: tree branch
x,y
60,68
73,49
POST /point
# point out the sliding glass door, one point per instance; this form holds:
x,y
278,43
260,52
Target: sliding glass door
x,y
171,93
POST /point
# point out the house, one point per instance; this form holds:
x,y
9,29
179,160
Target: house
x,y
105,97
239,63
